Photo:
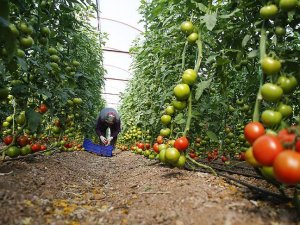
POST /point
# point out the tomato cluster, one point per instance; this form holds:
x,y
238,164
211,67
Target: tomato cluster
x,y
276,155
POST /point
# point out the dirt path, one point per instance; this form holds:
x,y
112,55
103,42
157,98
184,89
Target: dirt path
x,y
81,188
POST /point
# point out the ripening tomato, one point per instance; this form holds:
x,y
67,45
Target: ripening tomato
x,y
160,139
43,147
181,143
266,148
287,167
147,146
23,140
253,130
140,145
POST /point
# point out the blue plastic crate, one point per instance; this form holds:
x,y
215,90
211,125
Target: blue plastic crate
x,y
89,146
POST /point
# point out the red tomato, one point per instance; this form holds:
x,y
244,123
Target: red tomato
x,y
253,130
298,146
43,108
181,143
35,147
43,147
147,145
285,137
8,139
224,158
140,145
266,148
192,155
155,147
287,167
23,140
242,156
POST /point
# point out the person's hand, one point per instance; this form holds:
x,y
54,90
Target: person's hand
x,y
103,139
109,140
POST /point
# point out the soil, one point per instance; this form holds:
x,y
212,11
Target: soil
x,y
83,188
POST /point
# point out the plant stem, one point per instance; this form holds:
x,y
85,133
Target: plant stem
x,y
203,166
189,116
262,53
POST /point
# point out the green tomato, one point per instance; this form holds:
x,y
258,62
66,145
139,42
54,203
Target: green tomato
x,y
182,92
179,105
162,146
192,38
288,84
189,76
4,92
268,11
170,110
162,155
271,118
271,92
165,132
270,66
181,161
267,172
52,51
12,151
5,124
45,31
13,29
20,53
288,4
187,27
26,42
172,155
280,31
55,58
166,119
285,110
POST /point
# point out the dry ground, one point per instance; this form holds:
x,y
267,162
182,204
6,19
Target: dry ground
x,y
82,188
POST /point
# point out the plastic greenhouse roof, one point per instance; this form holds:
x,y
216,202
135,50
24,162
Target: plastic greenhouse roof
x,y
120,20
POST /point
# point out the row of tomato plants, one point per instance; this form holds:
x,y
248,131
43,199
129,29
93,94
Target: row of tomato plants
x,y
246,62
49,84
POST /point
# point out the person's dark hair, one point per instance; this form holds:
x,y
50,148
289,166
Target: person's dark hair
x,y
110,118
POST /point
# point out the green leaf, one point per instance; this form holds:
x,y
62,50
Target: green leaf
x,y
34,119
253,54
231,14
212,135
210,20
201,6
23,64
201,87
179,119
245,40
